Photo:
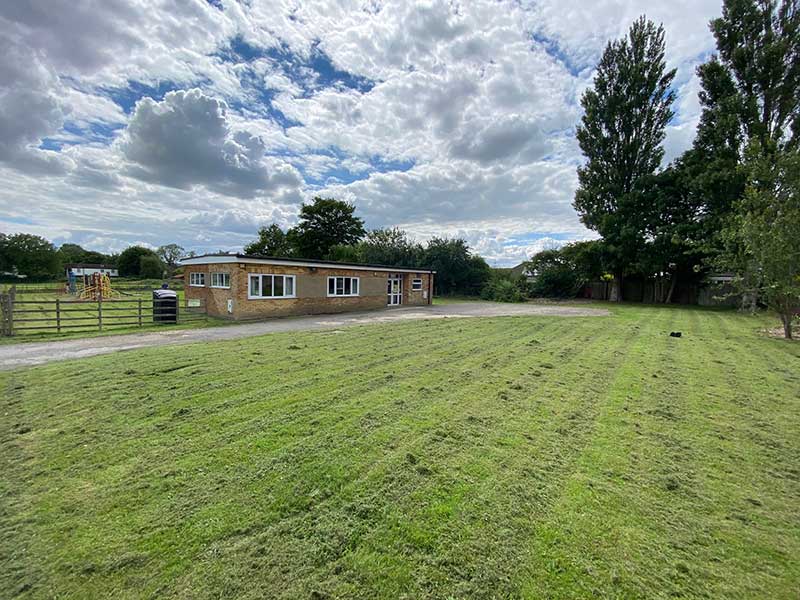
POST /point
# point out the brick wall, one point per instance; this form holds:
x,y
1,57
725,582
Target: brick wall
x,y
418,297
311,291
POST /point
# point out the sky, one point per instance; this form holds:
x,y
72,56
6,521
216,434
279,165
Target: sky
x,y
198,121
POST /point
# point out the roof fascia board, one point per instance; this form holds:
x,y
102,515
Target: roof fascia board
x,y
230,259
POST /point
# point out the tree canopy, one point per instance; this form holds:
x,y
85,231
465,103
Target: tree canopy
x,y
129,262
768,227
621,134
28,255
272,241
325,223
169,255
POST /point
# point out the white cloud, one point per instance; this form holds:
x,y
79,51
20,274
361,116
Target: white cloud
x,y
187,140
473,105
29,110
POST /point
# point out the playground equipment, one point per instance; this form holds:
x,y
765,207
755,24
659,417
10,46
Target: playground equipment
x,y
96,286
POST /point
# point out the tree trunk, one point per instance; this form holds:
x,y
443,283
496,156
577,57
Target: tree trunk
x,y
672,286
616,289
787,325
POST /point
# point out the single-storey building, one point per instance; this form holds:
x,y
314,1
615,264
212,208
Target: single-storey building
x,y
241,286
81,269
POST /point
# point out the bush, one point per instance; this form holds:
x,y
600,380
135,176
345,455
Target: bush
x,y
503,288
556,282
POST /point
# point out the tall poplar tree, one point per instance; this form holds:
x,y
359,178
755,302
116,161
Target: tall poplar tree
x,y
621,134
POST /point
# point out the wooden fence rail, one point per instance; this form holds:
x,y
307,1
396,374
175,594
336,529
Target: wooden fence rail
x,y
20,316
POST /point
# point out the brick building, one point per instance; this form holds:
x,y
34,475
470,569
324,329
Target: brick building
x,y
238,286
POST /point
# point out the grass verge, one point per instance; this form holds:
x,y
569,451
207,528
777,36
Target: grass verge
x,y
465,458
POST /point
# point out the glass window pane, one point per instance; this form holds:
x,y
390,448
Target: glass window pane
x,y
355,286
254,286
278,285
339,286
347,286
289,286
331,286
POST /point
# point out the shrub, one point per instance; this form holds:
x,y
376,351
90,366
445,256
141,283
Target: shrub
x,y
504,288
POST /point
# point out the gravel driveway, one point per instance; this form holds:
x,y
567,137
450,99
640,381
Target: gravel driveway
x,y
37,353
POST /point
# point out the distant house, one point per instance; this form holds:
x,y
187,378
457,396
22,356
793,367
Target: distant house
x,y
13,273
523,270
81,269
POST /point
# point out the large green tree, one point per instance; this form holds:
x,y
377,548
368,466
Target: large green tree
x,y
151,267
272,241
458,270
29,255
390,247
74,253
621,134
129,262
169,255
381,247
325,223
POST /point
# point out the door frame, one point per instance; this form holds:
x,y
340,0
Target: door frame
x,y
394,298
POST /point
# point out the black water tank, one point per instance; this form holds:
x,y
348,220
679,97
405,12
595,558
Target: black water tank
x,y
165,306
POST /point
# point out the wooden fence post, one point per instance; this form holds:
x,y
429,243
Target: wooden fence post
x,y
100,313
58,315
12,296
3,313
140,312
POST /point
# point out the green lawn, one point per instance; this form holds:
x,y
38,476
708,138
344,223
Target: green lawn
x,y
455,458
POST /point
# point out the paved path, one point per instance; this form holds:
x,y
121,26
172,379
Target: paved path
x,y
37,353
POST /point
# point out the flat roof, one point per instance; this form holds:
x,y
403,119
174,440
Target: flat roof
x,y
220,259
89,266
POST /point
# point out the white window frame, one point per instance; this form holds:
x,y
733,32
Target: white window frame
x,y
224,277
194,276
416,285
260,277
336,294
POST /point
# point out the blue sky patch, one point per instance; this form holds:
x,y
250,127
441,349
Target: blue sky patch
x,y
310,73
557,53
127,97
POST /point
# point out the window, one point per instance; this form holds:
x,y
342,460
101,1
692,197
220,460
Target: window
x,y
220,280
270,286
342,286
416,285
197,279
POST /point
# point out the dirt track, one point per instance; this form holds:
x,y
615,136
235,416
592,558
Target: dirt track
x,y
37,353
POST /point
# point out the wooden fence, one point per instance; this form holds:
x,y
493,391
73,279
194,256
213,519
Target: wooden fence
x,y
21,316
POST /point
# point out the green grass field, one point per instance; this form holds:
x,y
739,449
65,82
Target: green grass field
x,y
455,458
